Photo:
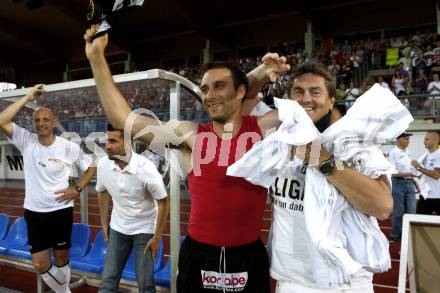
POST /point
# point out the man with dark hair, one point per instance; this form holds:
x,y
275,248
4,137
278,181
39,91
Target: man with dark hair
x,y
223,241
429,167
139,215
48,204
238,77
297,263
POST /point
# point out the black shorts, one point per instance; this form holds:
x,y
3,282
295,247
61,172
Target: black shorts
x,y
426,206
49,230
207,268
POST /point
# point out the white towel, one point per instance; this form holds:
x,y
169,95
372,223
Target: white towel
x,y
261,163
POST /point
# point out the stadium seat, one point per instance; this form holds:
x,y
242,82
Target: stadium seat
x,y
162,278
16,237
80,235
4,221
80,241
20,252
93,262
129,272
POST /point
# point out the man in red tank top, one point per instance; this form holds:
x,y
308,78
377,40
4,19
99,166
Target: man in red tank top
x,y
223,251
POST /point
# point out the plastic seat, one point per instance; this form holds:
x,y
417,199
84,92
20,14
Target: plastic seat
x,y
4,221
93,262
20,252
16,237
162,278
80,241
129,272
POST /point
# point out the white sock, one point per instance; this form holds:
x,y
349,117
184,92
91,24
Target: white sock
x,y
56,280
66,271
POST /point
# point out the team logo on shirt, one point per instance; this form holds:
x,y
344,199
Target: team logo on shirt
x,y
230,282
53,160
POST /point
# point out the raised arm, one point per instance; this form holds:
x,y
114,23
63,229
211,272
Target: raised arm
x,y
9,113
272,67
116,106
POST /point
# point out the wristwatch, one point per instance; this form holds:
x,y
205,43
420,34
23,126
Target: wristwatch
x,y
78,188
327,167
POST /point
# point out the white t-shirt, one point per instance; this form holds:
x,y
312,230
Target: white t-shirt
x,y
47,168
401,161
293,256
430,187
134,191
384,85
435,87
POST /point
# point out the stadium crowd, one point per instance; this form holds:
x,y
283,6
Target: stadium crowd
x,y
414,73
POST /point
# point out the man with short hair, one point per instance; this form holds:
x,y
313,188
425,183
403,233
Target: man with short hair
x,y
139,215
432,105
226,212
48,162
382,83
296,263
429,167
404,198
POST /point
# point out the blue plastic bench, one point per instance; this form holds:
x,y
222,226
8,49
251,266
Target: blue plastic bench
x,y
129,272
93,262
4,222
16,237
162,278
80,244
80,241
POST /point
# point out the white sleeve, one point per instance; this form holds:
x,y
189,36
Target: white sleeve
x,y
20,137
83,161
154,182
99,186
437,160
392,159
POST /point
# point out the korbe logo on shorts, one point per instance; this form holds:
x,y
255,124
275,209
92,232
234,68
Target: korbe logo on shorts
x,y
232,282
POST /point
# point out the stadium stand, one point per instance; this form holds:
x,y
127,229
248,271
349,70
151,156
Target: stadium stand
x,y
358,55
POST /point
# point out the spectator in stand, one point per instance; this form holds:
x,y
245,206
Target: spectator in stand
x,y
398,83
334,66
352,94
435,62
355,60
418,61
421,81
363,88
432,105
403,71
428,56
382,83
406,68
341,92
347,72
